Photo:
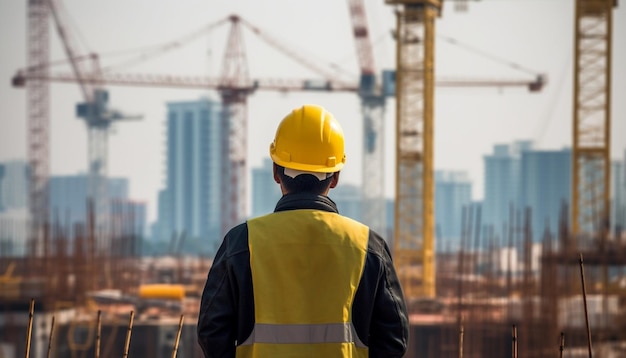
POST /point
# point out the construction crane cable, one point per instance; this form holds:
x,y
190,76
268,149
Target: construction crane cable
x,y
542,126
58,15
150,52
288,50
73,27
484,54
145,52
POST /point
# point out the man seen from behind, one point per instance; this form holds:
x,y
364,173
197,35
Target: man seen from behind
x,y
303,281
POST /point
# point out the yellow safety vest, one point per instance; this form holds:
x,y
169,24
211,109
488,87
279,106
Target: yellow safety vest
x,y
306,267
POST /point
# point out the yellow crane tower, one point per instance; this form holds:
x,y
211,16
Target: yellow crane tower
x,y
414,223
415,83
591,154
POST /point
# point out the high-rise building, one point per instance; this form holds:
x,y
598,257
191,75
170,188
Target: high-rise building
x,y
502,182
190,202
1,179
69,195
265,191
618,196
13,185
545,186
127,228
14,214
160,231
348,199
453,191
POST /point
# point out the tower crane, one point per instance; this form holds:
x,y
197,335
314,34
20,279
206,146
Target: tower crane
x,y
414,222
373,112
591,136
372,96
38,108
234,85
98,117
234,92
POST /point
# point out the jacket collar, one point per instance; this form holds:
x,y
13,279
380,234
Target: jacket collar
x,y
306,201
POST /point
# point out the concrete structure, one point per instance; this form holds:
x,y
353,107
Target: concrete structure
x,y
545,185
190,202
349,200
14,224
520,177
13,185
389,212
618,197
502,182
265,191
69,195
453,191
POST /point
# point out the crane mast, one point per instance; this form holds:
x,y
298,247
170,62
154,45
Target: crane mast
x,y
234,85
373,113
414,199
98,117
38,111
591,161
234,92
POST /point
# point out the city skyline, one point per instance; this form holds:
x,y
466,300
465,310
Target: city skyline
x,y
525,177
467,121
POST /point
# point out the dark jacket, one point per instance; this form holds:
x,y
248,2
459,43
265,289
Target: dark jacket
x,y
227,308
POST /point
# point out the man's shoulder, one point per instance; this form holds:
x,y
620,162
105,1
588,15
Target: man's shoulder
x,y
377,245
236,240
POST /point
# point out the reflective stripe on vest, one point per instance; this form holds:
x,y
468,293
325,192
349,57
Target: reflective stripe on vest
x,y
304,333
306,267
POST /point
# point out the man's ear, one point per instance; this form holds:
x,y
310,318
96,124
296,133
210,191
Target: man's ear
x,y
335,180
275,172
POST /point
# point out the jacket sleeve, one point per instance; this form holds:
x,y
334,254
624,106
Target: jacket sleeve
x,y
218,314
389,329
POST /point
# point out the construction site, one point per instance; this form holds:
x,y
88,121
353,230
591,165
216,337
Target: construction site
x,y
86,289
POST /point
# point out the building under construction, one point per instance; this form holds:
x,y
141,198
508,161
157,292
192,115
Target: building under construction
x,y
81,291
514,296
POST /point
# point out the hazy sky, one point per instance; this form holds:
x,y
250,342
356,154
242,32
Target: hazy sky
x,y
534,34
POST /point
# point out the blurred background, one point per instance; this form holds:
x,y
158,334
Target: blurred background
x,y
486,141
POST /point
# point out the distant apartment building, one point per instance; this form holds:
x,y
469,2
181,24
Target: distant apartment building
x,y
453,191
519,177
1,179
348,199
545,187
69,204
189,205
502,182
14,224
265,191
389,220
14,215
13,185
69,196
618,197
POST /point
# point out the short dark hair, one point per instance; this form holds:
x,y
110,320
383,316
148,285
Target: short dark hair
x,y
303,182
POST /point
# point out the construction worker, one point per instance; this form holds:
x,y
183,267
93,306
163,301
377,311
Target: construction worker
x,y
303,281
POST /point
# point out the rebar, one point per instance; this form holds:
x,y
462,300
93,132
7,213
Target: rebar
x,y
582,278
180,329
50,338
514,341
98,333
29,329
128,333
461,331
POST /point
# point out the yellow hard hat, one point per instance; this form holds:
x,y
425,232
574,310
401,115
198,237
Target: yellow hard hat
x,y
309,139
